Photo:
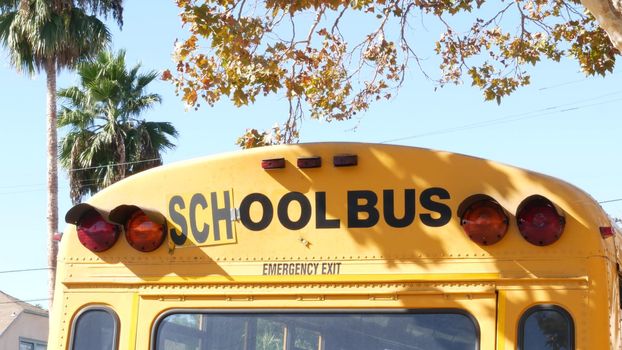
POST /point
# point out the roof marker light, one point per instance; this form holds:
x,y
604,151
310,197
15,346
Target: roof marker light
x,y
539,222
345,160
309,162
606,231
275,163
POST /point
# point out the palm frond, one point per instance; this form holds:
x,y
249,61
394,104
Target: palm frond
x,y
104,8
76,119
106,106
8,5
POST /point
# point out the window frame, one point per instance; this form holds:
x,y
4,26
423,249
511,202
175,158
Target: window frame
x,y
109,310
448,311
34,342
520,335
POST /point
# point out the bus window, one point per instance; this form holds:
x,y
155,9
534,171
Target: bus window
x,y
442,330
95,329
546,327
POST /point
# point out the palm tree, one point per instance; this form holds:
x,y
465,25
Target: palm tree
x,y
49,35
107,140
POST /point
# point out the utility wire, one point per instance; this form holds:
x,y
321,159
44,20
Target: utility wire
x,y
24,191
86,182
510,118
563,84
611,201
25,185
513,118
115,164
24,301
26,270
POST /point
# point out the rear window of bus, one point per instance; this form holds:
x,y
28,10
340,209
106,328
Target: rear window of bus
x,y
450,330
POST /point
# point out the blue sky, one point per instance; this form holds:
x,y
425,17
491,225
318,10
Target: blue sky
x,y
564,125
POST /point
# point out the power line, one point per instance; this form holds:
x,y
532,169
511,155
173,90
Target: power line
x,y
25,191
25,185
115,164
86,182
24,301
26,270
611,201
515,117
563,84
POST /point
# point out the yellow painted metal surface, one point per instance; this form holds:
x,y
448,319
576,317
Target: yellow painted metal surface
x,y
382,234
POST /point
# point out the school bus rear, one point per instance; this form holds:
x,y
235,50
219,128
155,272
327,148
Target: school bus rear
x,y
337,246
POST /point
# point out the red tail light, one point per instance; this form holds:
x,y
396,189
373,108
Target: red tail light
x,y
142,233
539,222
484,221
95,233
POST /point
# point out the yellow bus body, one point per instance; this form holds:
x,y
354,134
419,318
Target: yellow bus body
x,y
322,264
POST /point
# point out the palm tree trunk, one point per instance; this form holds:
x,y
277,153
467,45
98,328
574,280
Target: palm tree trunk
x,y
52,179
121,156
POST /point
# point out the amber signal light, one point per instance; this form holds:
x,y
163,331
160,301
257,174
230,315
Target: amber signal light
x,y
484,221
142,233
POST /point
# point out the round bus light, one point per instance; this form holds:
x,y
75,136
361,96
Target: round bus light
x,y
484,221
539,222
143,234
95,233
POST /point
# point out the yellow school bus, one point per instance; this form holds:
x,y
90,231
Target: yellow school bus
x,y
338,246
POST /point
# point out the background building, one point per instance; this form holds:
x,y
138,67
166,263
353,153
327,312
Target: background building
x,y
22,326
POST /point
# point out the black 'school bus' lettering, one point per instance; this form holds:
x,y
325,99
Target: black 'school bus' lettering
x,y
200,235
196,211
362,212
389,208
368,207
320,213
219,214
178,219
443,211
267,211
283,212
